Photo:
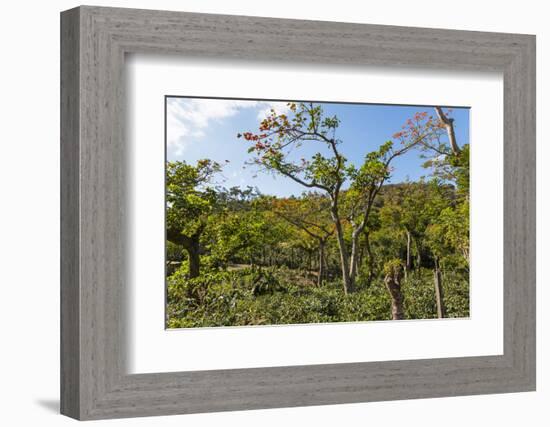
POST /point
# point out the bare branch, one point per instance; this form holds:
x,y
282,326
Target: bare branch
x,y
448,123
312,184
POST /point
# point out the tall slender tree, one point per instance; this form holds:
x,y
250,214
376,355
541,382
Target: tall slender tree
x,y
280,136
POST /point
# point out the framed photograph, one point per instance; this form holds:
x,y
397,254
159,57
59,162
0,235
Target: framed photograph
x,y
261,213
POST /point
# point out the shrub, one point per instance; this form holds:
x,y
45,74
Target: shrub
x,y
263,296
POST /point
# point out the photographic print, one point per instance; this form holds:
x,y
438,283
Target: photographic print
x,y
295,212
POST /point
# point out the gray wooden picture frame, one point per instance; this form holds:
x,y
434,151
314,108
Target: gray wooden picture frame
x,y
94,381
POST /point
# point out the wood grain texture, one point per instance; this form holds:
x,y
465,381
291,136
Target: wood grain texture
x,y
94,240
70,315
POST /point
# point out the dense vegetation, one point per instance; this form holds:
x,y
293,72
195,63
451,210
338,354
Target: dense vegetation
x,y
352,247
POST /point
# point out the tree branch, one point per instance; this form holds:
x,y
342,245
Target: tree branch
x,y
304,183
448,123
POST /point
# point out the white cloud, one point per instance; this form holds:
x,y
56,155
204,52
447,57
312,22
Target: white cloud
x,y
279,107
189,118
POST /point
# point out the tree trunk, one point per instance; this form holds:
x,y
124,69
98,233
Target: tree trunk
x,y
418,257
348,285
438,291
393,284
370,262
326,266
408,265
321,263
194,258
191,246
353,264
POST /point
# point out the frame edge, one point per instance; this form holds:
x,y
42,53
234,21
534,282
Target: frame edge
x,y
81,398
70,395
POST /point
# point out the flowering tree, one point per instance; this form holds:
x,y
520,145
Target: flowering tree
x,y
448,227
280,136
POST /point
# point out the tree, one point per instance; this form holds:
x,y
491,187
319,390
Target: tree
x,y
367,181
448,231
327,170
309,214
189,201
393,271
243,233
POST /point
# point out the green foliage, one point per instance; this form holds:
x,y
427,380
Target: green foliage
x,y
261,257
265,296
448,237
189,199
418,289
392,266
253,296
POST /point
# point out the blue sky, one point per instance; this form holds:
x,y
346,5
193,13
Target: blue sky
x,y
199,128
